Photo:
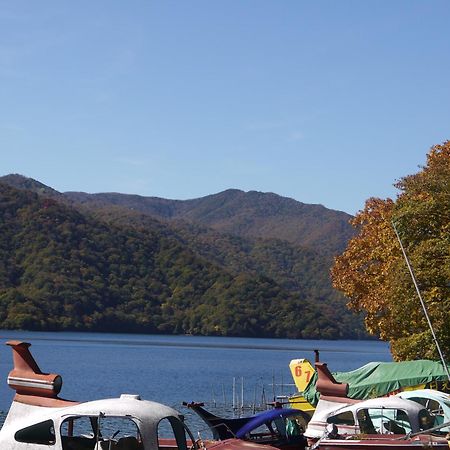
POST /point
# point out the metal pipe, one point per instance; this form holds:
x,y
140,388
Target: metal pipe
x,y
242,393
234,393
223,394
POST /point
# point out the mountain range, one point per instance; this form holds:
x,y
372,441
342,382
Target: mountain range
x,y
234,263
245,214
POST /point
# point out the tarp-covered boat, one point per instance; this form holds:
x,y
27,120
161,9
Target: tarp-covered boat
x,y
341,423
377,379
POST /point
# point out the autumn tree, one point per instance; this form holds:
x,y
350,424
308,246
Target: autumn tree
x,y
372,272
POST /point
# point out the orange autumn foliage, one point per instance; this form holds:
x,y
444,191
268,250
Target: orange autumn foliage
x,y
372,273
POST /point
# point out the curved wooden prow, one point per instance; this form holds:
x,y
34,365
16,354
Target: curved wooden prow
x,y
32,386
327,385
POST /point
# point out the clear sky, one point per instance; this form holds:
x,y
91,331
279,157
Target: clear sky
x,y
323,101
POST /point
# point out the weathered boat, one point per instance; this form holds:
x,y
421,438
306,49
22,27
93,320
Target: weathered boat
x,y
342,423
387,442
436,402
375,379
279,427
39,419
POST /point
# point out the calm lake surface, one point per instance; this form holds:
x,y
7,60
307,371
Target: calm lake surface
x,y
173,369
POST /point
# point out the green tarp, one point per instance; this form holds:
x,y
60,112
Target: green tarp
x,y
376,379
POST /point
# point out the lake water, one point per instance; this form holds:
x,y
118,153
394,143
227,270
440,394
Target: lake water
x,y
173,369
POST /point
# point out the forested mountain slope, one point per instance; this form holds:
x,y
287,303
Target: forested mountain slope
x,y
247,214
300,271
116,269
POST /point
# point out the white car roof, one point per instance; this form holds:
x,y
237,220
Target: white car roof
x,y
144,412
385,402
316,426
377,403
425,393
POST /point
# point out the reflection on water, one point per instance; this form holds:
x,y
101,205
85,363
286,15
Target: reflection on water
x,y
173,369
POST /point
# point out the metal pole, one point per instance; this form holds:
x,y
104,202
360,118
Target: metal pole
x,y
273,385
213,396
242,393
421,301
234,393
224,398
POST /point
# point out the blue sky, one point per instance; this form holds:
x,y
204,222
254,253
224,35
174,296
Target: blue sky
x,y
323,101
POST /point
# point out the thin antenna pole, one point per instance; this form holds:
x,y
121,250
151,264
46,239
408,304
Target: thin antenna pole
x,y
242,393
421,301
213,395
263,397
224,398
273,385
